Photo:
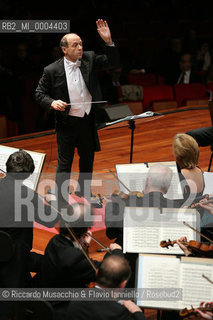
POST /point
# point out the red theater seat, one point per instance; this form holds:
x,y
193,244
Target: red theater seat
x,y
157,93
191,91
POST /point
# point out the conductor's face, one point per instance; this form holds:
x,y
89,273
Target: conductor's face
x,y
74,50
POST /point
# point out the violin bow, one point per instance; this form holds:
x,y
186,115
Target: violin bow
x,y
98,242
207,278
202,235
72,234
3,171
82,249
121,182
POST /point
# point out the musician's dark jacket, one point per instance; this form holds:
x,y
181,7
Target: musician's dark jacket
x,y
65,266
15,273
100,310
16,218
53,85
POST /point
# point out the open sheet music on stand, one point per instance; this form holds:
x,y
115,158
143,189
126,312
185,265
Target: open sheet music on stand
x,y
133,175
173,283
38,158
145,228
208,179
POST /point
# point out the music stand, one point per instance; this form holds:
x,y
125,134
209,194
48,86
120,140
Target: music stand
x,y
131,126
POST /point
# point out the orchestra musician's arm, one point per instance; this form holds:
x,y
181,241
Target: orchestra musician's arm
x,y
208,206
205,314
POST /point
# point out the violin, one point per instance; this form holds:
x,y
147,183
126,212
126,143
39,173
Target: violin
x,y
185,313
125,196
198,248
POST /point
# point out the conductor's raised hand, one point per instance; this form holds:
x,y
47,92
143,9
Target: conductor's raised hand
x,y
58,105
104,31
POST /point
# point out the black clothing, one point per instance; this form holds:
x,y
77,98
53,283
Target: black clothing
x,y
65,266
100,310
17,213
203,136
72,132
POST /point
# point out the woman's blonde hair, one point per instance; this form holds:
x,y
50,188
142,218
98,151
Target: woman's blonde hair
x,y
186,151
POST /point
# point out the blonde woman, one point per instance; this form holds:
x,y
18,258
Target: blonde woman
x,y
186,152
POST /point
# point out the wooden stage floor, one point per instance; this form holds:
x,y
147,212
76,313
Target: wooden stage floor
x,y
152,143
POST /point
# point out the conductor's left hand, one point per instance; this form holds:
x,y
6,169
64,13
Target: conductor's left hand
x,y
104,31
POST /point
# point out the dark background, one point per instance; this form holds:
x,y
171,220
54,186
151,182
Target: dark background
x,y
142,30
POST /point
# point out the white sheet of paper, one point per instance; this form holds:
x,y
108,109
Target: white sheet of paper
x,y
145,228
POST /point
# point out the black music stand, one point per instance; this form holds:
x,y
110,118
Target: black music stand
x,y
131,126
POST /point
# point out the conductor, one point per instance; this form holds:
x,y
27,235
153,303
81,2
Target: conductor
x,y
70,86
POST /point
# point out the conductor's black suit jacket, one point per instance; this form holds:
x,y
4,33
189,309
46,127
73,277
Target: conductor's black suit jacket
x,y
53,85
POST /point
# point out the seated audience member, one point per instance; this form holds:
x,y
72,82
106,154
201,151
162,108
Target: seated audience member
x,y
157,184
64,263
113,272
186,73
21,206
186,151
203,58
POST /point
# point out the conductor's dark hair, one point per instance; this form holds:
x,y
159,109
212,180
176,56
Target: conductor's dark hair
x,y
78,217
64,42
113,271
20,164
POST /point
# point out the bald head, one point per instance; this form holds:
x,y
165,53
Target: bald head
x,y
66,38
114,270
71,45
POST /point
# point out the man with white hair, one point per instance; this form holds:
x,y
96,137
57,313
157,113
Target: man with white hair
x,y
156,186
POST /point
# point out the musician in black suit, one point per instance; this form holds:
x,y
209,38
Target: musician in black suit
x,y
20,205
64,264
113,273
72,79
203,136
